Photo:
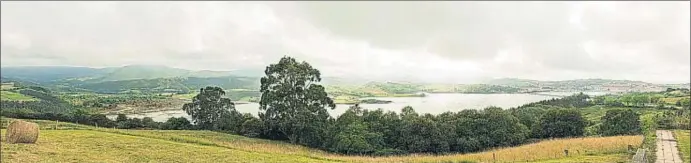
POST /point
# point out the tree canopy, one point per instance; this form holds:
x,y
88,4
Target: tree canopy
x,y
293,104
620,122
209,107
557,123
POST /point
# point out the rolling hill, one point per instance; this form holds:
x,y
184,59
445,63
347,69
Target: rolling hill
x,y
583,85
46,74
134,72
157,79
180,84
144,78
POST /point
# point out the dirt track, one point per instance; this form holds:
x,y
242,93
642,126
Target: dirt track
x,y
667,151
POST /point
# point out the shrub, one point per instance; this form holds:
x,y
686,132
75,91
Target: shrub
x,y
388,152
620,122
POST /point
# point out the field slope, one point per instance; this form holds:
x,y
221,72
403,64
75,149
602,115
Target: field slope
x,y
684,144
13,96
66,142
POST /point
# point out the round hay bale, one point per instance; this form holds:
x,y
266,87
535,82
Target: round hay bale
x,y
22,132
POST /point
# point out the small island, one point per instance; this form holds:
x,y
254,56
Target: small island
x,y
354,100
374,101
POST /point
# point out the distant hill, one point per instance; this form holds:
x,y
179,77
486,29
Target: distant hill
x,y
145,78
158,78
43,74
181,85
580,85
343,81
46,74
142,72
134,72
526,82
513,82
249,72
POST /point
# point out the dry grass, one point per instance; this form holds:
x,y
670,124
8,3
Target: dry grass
x,y
20,131
604,158
672,100
541,151
7,86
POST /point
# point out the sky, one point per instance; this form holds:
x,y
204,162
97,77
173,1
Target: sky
x,y
444,42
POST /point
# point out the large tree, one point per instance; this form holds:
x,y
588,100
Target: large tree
x,y
292,104
210,110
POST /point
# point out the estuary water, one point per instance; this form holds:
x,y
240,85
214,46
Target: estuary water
x,y
433,103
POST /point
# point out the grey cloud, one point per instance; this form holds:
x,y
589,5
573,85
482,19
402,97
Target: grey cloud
x,y
434,41
544,30
454,29
127,31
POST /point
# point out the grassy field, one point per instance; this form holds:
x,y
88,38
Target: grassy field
x,y
345,99
185,96
595,113
684,144
79,143
672,100
6,86
13,96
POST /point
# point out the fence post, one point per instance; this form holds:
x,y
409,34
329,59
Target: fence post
x,y
494,157
566,152
640,156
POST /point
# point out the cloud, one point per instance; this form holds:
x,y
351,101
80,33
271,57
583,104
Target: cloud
x,y
417,41
585,38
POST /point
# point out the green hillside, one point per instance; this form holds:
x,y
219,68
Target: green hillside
x,y
46,74
134,72
162,79
67,142
513,82
142,72
58,74
13,96
182,85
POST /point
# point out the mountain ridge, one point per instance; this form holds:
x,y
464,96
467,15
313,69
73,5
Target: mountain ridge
x,y
91,76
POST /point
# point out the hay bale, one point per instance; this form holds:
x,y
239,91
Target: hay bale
x,y
22,132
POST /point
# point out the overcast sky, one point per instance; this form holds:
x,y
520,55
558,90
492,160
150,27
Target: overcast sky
x,y
453,42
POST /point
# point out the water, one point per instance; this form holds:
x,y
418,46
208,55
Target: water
x,y
432,103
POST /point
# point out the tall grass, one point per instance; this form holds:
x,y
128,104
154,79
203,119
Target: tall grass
x,y
684,144
13,96
649,126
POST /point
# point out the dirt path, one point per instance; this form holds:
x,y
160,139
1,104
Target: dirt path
x,y
667,151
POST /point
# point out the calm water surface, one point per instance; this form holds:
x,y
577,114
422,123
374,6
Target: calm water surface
x,y
432,103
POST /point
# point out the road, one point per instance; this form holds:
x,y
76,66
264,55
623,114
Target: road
x,y
667,151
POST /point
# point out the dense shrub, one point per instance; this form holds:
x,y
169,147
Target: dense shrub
x,y
620,122
558,123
